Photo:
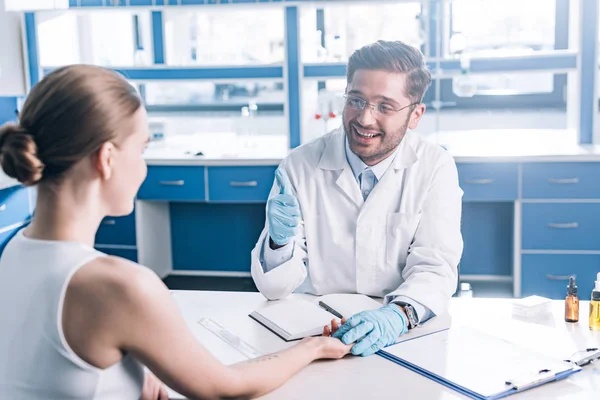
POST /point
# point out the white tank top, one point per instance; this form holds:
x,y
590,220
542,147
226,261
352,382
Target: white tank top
x,y
35,360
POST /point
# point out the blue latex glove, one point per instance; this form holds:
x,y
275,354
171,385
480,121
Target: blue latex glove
x,y
283,211
375,329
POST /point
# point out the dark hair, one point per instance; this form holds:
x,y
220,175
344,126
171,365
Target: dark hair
x,y
394,56
66,117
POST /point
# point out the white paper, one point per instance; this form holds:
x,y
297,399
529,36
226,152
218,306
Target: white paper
x,y
474,360
297,317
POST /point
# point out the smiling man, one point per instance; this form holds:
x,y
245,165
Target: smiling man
x,y
369,208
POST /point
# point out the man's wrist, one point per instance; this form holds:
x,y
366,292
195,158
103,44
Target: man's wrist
x,y
411,315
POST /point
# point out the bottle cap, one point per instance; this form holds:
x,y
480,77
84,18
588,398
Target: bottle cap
x,y
572,288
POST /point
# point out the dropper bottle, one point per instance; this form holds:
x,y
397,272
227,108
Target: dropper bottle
x,y
595,306
572,302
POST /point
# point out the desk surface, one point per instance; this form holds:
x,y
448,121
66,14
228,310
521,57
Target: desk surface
x,y
375,377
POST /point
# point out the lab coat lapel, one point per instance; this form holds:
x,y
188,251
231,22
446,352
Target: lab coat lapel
x,y
334,159
347,182
391,182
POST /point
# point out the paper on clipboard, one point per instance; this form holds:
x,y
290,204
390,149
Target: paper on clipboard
x,y
477,364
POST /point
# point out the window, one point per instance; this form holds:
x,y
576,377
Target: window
x,y
224,37
208,96
106,38
450,120
510,27
348,27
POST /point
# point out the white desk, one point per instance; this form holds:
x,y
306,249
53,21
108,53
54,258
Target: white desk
x,y
374,377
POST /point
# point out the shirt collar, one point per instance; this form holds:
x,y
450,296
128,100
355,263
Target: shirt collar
x,y
358,166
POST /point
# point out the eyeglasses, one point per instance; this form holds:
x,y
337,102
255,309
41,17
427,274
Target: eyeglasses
x,y
356,103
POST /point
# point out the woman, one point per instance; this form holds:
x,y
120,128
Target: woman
x,y
77,324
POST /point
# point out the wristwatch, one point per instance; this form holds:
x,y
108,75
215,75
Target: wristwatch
x,y
412,316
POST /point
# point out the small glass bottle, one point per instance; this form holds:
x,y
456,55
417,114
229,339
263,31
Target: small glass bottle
x,y
572,302
595,306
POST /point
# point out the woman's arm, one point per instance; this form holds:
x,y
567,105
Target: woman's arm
x,y
139,316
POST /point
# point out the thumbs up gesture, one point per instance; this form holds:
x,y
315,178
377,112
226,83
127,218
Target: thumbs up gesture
x,y
283,211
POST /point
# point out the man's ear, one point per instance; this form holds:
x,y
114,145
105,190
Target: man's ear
x,y
416,116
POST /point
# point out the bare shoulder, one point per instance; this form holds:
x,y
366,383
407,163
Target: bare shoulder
x,y
114,279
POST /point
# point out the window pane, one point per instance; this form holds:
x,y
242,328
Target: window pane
x,y
224,37
321,109
58,39
218,135
105,38
460,121
504,84
231,95
450,120
494,28
349,27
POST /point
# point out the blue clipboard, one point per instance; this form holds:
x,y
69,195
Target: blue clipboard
x,y
463,390
512,386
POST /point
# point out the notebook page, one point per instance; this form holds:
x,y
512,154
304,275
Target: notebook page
x,y
349,304
297,316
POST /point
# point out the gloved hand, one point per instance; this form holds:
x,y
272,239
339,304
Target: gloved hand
x,y
377,328
283,211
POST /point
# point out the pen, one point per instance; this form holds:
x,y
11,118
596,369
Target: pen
x,y
331,310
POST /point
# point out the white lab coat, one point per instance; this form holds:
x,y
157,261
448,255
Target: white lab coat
x,y
404,240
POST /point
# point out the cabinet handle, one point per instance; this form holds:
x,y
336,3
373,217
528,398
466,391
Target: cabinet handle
x,y
569,225
244,184
172,183
479,181
565,181
109,222
3,207
559,277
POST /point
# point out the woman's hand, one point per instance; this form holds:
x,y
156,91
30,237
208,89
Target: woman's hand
x,y
328,347
327,331
153,388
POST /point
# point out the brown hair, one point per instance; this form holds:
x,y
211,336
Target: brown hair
x,y
67,116
394,56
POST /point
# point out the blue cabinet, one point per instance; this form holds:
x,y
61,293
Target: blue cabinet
x,y
6,236
214,237
174,184
561,226
89,3
489,181
14,212
117,230
558,216
487,230
240,184
14,206
129,254
548,274
580,180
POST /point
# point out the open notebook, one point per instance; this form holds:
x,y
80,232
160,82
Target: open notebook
x,y
294,319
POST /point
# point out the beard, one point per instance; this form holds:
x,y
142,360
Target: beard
x,y
372,144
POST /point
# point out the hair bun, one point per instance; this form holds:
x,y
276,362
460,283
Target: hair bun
x,y
18,155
